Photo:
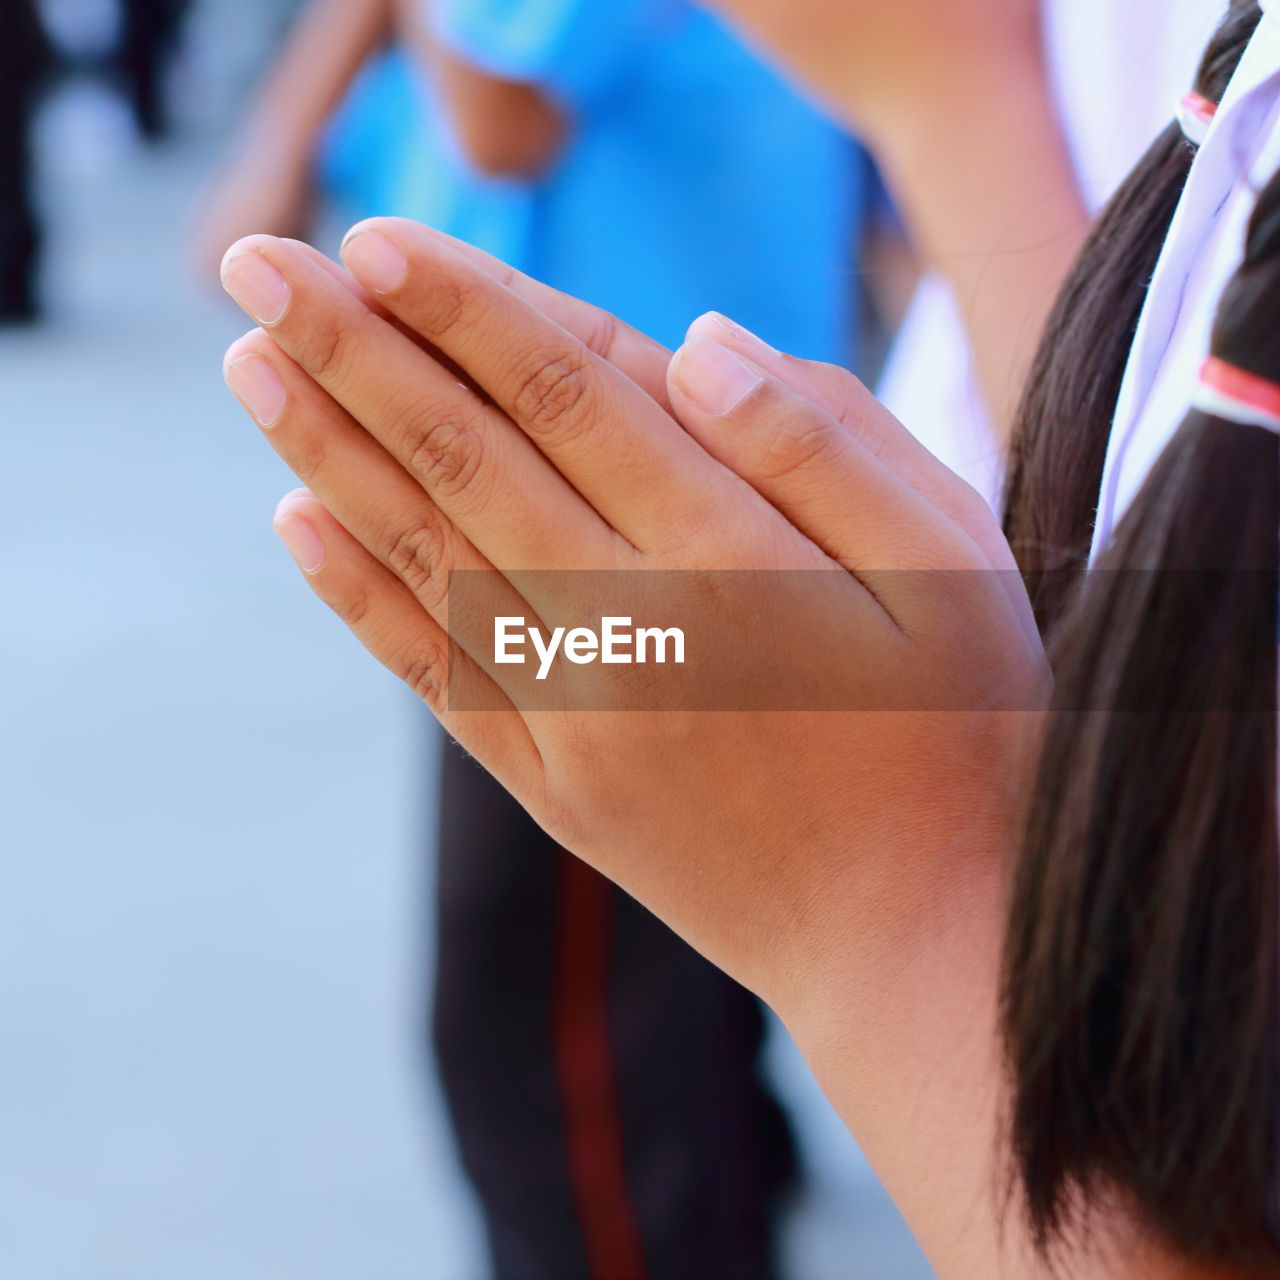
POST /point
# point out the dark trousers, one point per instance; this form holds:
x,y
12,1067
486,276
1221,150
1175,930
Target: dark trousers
x,y
601,1076
150,32
22,68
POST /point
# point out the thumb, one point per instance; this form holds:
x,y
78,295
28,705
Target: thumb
x,y
861,415
808,465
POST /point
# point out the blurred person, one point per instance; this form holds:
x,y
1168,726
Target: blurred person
x,y
602,1077
353,94
24,60
1113,71
1046,109
148,38
956,100
269,179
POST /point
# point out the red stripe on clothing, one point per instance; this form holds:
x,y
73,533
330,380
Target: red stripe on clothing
x,y
587,1082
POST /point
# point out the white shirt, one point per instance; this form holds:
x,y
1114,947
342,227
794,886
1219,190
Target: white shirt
x,y
1239,155
1118,69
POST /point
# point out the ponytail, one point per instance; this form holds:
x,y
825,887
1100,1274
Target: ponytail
x,y
1141,979
1064,419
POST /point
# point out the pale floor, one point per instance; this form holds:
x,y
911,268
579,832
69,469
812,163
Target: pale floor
x,y
213,810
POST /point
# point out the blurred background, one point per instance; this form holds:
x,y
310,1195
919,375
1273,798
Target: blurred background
x,y
217,813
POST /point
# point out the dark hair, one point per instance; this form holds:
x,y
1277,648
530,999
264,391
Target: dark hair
x,y
1142,959
1064,417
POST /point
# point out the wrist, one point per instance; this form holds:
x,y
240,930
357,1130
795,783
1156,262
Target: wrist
x,y
916,876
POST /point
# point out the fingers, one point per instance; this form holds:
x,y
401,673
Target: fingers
x,y
845,402
356,480
485,477
846,399
393,626
642,359
612,442
807,465
343,277
903,549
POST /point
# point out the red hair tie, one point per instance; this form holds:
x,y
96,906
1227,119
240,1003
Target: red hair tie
x,y
1226,392
1195,115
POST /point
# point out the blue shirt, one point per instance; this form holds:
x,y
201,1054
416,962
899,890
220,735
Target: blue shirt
x,y
693,178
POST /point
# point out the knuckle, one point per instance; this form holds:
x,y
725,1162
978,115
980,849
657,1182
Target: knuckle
x,y
796,448
353,608
860,414
837,374
424,673
603,334
324,351
972,510
416,556
444,307
445,453
872,435
552,392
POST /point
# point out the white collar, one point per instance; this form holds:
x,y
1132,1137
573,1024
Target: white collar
x,y
1232,159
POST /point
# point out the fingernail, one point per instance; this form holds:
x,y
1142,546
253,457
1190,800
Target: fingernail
x,y
256,384
375,261
300,538
257,286
713,377
742,334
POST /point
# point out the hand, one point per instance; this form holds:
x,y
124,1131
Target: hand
x,y
745,831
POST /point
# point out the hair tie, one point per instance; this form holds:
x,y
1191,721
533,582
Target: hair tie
x,y
1195,115
1226,392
